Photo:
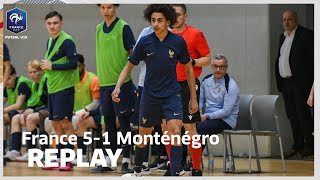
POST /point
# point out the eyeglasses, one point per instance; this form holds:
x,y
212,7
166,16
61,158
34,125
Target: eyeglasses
x,y
220,67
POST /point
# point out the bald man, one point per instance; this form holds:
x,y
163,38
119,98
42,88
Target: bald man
x,y
294,74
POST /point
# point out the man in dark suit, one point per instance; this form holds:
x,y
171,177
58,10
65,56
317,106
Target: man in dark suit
x,y
294,74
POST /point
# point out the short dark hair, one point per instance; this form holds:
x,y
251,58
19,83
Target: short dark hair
x,y
167,10
113,4
52,14
80,58
183,6
12,70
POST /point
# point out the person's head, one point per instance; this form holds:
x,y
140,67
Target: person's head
x,y
54,23
12,78
289,20
34,70
81,64
181,11
160,16
219,66
108,11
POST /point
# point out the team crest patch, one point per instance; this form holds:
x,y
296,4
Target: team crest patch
x,y
219,89
144,120
16,20
171,53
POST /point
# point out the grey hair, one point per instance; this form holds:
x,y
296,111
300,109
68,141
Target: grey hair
x,y
219,57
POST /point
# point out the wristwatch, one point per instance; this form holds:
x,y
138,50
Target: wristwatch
x,y
193,62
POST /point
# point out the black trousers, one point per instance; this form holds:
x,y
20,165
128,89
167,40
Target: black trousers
x,y
299,114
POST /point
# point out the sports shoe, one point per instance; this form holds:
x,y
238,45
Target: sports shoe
x,y
84,159
51,167
157,163
68,167
188,167
23,158
132,175
196,172
12,155
145,170
164,167
168,171
100,169
125,168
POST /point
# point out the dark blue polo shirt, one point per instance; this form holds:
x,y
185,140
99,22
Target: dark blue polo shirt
x,y
161,59
6,55
128,37
68,48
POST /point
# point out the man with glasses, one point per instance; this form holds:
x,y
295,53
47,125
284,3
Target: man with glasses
x,y
219,93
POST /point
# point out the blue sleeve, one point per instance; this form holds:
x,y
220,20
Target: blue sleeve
x,y
202,100
230,100
5,92
184,57
95,111
128,38
69,49
6,55
24,89
137,53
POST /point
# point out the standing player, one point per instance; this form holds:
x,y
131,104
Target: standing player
x,y
114,43
200,54
60,65
161,51
6,64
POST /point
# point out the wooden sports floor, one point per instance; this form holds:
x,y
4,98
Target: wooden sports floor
x,y
270,167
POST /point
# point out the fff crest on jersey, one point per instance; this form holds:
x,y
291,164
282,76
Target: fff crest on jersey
x,y
171,53
16,20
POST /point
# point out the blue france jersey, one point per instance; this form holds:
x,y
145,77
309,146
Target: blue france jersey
x,y
161,59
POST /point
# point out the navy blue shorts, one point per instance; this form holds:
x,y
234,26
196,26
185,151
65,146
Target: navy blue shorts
x,y
12,113
97,120
110,108
60,104
151,113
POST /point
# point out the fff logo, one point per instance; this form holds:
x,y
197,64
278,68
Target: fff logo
x,y
16,20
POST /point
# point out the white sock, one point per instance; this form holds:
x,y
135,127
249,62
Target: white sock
x,y
126,160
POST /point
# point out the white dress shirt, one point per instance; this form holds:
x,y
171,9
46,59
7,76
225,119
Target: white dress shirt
x,y
284,66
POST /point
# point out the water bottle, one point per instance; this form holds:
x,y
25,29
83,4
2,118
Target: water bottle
x,y
210,164
230,165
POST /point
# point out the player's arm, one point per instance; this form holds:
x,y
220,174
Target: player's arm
x,y
193,105
203,50
18,105
203,61
7,70
128,39
123,76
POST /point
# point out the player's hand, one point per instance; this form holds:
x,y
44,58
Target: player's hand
x,y
46,65
85,115
193,106
203,117
115,94
27,112
310,101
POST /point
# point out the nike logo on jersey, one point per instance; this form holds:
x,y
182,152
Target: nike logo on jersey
x,y
176,114
149,54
